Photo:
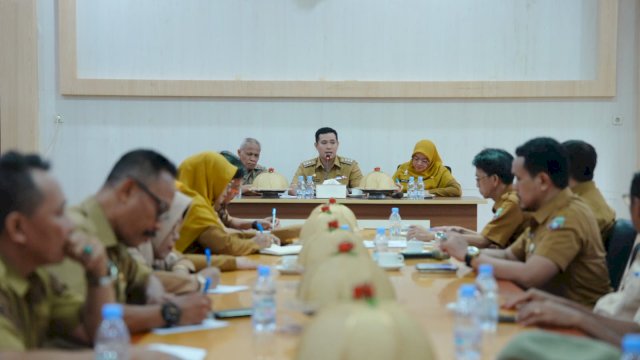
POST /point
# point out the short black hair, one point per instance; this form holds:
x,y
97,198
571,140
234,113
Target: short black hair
x,y
495,162
635,186
18,191
325,130
546,155
235,161
582,159
141,164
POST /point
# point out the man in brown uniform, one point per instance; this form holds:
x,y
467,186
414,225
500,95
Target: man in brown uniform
x,y
494,180
561,250
328,165
126,212
582,164
34,231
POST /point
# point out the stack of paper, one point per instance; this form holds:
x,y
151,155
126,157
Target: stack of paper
x,y
282,250
392,244
207,324
181,352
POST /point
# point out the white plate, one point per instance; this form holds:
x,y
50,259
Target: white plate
x,y
392,267
288,271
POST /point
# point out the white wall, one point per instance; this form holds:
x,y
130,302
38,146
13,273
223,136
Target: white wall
x,y
96,131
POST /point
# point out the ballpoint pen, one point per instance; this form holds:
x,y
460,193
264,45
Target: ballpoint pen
x,y
273,218
207,253
207,284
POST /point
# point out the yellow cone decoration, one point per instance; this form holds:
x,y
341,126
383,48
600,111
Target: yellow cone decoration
x,y
377,180
270,181
322,214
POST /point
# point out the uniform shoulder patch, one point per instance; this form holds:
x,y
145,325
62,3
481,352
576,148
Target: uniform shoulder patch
x,y
347,161
309,163
556,223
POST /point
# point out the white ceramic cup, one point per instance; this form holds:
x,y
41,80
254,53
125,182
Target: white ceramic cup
x,y
414,246
355,191
390,259
289,261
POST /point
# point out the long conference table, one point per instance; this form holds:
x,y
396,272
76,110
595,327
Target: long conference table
x,y
423,295
462,211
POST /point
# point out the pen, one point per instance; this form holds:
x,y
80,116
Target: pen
x,y
207,284
273,218
207,253
260,228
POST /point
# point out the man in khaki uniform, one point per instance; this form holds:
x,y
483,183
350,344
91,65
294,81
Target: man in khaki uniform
x,y
582,164
494,180
328,165
126,212
614,315
35,306
249,154
561,249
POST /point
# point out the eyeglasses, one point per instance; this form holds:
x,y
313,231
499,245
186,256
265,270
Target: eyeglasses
x,y
420,161
161,205
627,199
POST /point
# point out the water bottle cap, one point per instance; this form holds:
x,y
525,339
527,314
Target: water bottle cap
x,y
631,343
395,210
345,227
309,177
380,231
412,179
485,269
420,178
300,177
264,270
111,311
467,291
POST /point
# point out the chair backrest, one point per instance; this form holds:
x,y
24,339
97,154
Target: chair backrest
x,y
619,246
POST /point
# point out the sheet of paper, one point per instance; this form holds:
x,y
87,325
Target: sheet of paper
x,y
282,250
228,289
179,351
208,324
392,244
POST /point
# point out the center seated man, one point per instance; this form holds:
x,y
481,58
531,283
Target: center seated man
x,y
561,250
328,165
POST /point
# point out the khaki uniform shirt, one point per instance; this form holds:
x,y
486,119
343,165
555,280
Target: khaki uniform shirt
x,y
565,232
508,220
35,309
342,166
624,303
251,175
605,216
131,284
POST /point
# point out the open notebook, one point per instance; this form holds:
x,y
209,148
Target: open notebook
x,y
282,250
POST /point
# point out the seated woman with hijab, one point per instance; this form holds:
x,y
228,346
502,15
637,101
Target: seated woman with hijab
x,y
425,161
208,178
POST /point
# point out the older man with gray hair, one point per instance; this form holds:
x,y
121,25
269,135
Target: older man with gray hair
x,y
249,154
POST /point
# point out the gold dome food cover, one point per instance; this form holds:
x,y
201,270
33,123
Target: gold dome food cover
x,y
377,180
270,181
324,213
333,280
364,329
324,244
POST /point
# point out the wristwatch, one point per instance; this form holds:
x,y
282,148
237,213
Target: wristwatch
x,y
254,224
106,280
472,253
170,314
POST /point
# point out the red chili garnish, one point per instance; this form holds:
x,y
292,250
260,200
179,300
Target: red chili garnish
x,y
325,208
345,247
333,225
271,170
376,169
364,291
332,201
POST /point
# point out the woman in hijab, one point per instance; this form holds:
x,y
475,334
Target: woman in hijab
x,y
425,161
208,178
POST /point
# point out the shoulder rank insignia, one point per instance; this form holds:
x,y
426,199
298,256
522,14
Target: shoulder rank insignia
x,y
498,213
309,163
556,223
345,160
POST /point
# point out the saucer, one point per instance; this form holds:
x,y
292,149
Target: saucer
x,y
288,270
392,267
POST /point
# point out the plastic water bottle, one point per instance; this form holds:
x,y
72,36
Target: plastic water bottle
x,y
488,301
112,339
395,224
411,189
381,242
467,333
301,191
631,347
264,302
420,188
311,188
